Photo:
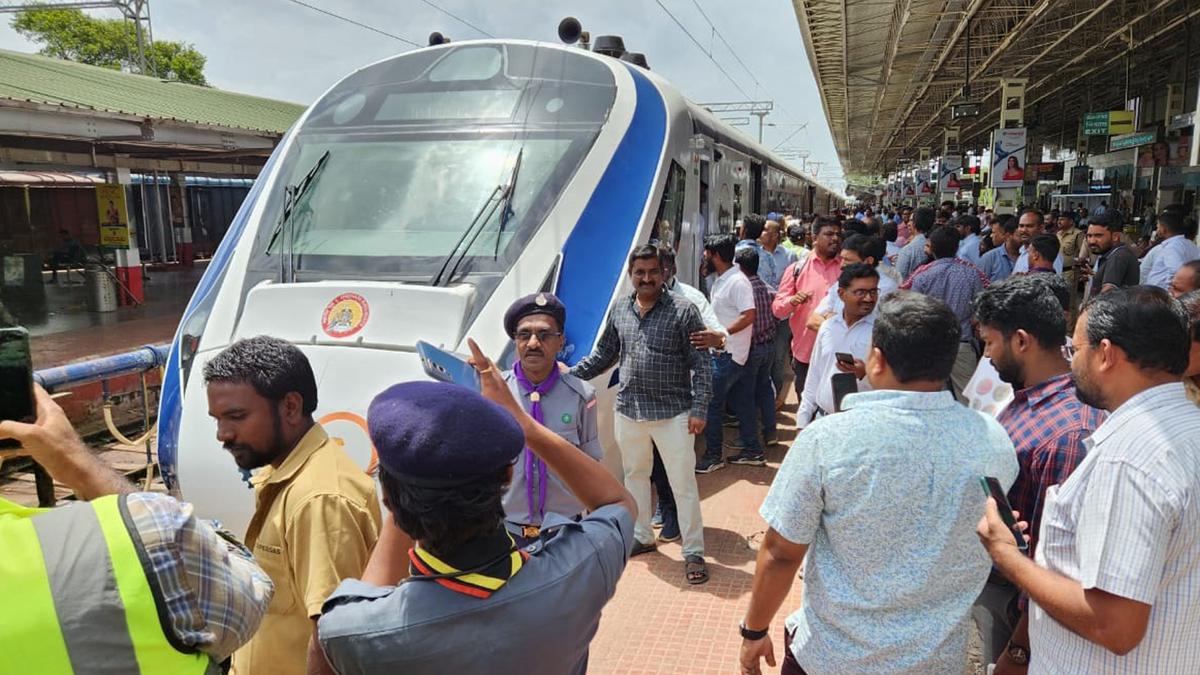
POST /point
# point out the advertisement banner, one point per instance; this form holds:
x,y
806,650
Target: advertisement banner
x,y
949,169
114,219
924,186
1008,158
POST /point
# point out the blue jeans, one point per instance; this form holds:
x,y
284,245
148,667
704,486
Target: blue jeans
x,y
731,383
760,369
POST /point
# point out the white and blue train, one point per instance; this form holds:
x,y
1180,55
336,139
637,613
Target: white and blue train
x,y
423,194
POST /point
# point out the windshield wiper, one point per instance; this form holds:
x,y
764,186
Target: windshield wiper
x,y
291,197
482,217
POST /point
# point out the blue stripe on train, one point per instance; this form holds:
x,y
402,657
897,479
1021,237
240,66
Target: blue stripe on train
x,y
170,406
595,253
593,257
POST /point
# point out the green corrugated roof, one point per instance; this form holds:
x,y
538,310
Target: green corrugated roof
x,y
41,79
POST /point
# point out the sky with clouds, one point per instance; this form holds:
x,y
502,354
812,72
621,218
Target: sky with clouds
x,y
280,49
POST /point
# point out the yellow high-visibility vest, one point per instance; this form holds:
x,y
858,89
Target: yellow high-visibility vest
x,y
77,599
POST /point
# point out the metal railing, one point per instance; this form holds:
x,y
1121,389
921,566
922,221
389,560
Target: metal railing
x,y
140,361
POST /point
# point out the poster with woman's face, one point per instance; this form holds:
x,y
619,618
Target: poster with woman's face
x,y
1008,158
948,170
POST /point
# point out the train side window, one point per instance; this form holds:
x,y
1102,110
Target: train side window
x,y
670,208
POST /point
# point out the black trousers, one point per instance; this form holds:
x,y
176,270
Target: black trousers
x,y
790,666
801,371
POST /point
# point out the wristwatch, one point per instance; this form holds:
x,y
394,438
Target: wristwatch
x,y
1018,655
753,635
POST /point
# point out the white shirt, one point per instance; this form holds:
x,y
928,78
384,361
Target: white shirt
x,y
697,298
834,336
731,295
1127,521
832,302
1173,252
1146,263
1022,264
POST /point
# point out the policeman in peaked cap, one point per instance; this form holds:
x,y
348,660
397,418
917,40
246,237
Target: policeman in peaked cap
x,y
562,402
465,598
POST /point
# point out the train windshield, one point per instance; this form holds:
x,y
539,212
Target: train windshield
x,y
440,166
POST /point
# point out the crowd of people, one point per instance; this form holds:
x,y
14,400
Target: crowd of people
x,y
494,535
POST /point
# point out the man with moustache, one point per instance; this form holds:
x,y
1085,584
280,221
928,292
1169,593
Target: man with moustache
x,y
561,402
849,332
1022,325
1115,587
800,291
316,516
663,399
1029,225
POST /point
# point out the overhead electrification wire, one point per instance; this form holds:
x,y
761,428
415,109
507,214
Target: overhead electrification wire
x,y
458,18
726,43
701,47
789,137
356,23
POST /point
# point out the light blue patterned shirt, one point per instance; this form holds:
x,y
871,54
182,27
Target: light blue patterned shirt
x,y
886,494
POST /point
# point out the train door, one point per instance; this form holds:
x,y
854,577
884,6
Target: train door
x,y
756,188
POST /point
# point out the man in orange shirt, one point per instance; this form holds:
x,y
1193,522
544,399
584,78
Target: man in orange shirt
x,y
802,286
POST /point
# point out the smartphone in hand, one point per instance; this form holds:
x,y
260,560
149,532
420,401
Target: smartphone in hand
x,y
844,359
991,487
16,379
443,366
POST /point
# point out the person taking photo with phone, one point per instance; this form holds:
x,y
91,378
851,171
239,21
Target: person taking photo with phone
x,y
120,580
465,598
1115,587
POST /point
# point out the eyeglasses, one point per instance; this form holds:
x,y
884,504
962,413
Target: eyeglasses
x,y
542,335
861,293
1068,352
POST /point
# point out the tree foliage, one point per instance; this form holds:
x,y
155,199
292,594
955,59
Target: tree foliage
x,y
111,43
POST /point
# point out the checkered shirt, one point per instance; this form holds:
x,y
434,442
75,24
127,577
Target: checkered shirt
x,y
215,595
1048,425
764,320
955,282
662,374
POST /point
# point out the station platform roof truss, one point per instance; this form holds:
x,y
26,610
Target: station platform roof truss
x,y
890,70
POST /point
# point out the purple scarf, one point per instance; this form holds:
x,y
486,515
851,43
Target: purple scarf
x,y
533,462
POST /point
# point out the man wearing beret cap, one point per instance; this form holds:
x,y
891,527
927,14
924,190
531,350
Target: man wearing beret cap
x,y
560,401
473,601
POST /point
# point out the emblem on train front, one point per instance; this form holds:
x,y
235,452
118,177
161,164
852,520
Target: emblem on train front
x,y
345,315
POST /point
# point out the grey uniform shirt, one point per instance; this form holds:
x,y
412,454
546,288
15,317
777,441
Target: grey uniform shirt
x,y
569,409
541,621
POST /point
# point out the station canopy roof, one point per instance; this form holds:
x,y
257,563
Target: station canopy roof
x,y
40,79
889,70
76,116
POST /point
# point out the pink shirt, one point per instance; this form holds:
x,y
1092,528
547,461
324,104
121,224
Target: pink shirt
x,y
813,276
903,233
